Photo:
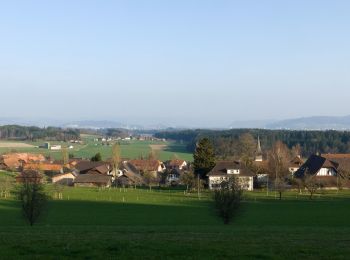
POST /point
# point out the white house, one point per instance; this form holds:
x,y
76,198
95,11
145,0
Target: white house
x,y
176,164
295,164
318,166
56,147
225,170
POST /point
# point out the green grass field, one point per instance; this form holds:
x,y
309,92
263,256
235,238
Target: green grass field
x,y
129,149
167,224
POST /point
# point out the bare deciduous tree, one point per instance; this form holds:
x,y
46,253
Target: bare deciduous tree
x,y
150,179
310,183
247,147
279,158
5,187
33,200
188,179
116,158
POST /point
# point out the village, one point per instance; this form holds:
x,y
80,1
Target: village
x,y
329,171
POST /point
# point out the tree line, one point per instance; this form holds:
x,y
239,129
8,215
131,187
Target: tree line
x,y
33,133
227,143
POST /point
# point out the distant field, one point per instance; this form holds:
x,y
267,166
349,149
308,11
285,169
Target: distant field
x,y
129,149
15,145
139,224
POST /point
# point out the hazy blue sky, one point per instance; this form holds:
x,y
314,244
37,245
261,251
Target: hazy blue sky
x,y
182,62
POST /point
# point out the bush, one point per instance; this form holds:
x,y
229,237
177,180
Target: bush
x,y
227,200
33,200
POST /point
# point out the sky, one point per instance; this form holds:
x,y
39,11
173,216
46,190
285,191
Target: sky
x,y
180,63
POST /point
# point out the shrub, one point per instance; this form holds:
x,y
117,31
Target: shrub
x,y
33,200
227,200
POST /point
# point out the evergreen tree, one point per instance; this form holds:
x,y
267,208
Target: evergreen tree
x,y
96,158
204,157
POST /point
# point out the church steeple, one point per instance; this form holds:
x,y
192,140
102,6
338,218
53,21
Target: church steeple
x,y
258,153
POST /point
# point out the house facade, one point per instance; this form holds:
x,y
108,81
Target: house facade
x,y
325,171
93,180
226,170
295,164
176,164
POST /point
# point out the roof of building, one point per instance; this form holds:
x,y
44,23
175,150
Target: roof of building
x,y
296,162
146,165
313,165
43,167
14,160
63,174
93,178
84,166
176,163
221,168
136,178
342,159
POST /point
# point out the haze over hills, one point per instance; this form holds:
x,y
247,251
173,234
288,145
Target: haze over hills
x,y
303,123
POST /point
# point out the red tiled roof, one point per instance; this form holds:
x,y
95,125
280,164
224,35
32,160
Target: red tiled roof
x,y
14,160
176,163
146,165
43,167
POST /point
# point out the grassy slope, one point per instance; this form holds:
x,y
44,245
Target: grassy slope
x,y
98,224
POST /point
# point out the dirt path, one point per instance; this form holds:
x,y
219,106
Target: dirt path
x,y
158,147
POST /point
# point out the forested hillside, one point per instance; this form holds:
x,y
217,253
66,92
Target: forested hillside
x,y
32,133
226,142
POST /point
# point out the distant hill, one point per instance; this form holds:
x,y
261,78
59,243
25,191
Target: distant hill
x,y
304,123
313,123
94,124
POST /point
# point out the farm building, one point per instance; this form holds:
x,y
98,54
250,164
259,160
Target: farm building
x,y
129,179
64,179
47,168
173,178
88,167
143,166
93,180
295,164
225,170
15,161
326,171
176,164
343,160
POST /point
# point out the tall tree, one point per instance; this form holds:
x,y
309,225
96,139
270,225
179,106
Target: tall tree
x,y
65,156
279,158
296,150
188,179
204,157
116,157
246,147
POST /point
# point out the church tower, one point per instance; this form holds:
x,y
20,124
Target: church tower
x,y
258,152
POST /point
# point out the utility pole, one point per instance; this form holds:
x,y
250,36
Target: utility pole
x,y
198,182
267,185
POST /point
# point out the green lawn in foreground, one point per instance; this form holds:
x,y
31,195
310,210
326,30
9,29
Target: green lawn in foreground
x,y
134,224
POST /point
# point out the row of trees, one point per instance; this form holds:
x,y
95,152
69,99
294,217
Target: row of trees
x,y
228,144
33,133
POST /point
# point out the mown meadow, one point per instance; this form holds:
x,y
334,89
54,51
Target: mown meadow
x,y
138,223
133,149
